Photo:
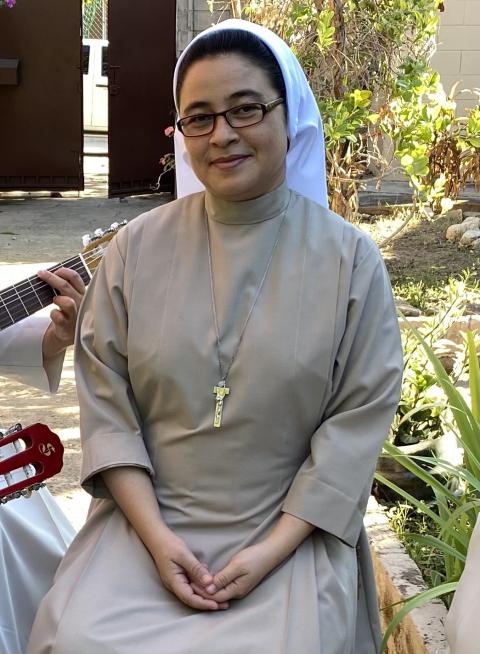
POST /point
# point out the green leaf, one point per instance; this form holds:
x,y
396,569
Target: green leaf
x,y
421,506
406,160
436,543
429,479
474,375
446,204
413,603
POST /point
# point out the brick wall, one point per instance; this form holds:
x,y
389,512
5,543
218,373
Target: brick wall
x,y
458,54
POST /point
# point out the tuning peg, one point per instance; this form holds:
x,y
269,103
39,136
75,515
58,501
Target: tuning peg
x,y
86,238
98,233
114,226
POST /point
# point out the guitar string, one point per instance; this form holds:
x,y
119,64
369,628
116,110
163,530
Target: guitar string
x,y
14,297
87,258
18,307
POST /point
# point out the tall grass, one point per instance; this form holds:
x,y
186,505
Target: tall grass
x,y
456,488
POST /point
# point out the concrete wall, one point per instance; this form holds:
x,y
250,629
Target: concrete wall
x,y
398,578
458,54
193,16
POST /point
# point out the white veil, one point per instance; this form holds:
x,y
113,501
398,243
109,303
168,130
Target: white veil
x,y
306,155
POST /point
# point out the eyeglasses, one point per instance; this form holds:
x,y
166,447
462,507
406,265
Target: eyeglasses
x,y
244,115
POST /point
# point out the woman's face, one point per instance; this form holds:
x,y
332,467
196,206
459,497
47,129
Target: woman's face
x,y
234,164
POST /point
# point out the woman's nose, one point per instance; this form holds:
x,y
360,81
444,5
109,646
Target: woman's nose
x,y
222,131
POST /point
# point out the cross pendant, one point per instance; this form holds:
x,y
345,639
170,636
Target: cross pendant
x,y
220,392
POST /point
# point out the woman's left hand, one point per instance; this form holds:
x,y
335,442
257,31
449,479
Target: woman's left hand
x,y
247,568
243,572
61,331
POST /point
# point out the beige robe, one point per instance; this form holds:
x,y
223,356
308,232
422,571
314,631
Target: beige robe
x,y
313,390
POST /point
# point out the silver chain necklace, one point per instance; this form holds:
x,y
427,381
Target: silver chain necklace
x,y
221,390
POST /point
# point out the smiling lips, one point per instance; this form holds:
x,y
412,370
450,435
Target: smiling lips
x,y
226,163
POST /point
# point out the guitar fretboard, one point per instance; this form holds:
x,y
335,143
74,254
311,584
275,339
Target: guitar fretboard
x,y
30,295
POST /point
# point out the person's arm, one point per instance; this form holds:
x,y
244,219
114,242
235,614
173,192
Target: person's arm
x,y
32,351
330,490
177,567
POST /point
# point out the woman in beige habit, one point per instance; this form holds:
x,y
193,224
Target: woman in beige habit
x,y
238,367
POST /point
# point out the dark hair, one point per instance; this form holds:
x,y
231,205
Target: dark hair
x,y
230,41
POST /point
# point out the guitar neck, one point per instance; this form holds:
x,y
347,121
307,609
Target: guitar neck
x,y
30,295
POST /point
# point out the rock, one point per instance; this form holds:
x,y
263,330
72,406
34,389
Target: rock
x,y
472,307
469,236
454,215
366,218
447,362
471,214
473,222
476,244
460,327
455,232
406,308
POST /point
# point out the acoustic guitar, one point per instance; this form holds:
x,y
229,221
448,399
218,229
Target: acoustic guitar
x,y
30,295
27,457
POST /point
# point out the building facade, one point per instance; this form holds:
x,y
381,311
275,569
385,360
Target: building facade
x,y
458,55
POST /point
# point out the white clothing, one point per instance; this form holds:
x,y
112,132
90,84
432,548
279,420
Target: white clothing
x,y
34,533
305,162
462,624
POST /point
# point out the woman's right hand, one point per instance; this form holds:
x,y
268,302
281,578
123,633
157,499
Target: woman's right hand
x,y
179,569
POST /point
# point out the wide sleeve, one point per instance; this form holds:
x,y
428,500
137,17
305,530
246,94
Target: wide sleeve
x,y
21,355
332,486
109,420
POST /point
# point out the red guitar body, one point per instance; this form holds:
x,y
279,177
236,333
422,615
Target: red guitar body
x,y
42,450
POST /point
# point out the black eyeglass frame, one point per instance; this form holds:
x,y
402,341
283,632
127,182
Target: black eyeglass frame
x,y
266,108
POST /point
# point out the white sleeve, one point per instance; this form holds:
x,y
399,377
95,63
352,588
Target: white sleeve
x,y
21,355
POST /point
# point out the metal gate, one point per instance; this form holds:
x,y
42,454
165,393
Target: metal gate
x,y
41,140
142,37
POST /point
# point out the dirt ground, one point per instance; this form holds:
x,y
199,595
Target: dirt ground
x,y
421,252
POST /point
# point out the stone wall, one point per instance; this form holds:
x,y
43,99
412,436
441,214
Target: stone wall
x,y
193,16
458,54
398,578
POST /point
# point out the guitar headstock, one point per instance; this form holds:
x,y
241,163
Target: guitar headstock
x,y
95,245
38,448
